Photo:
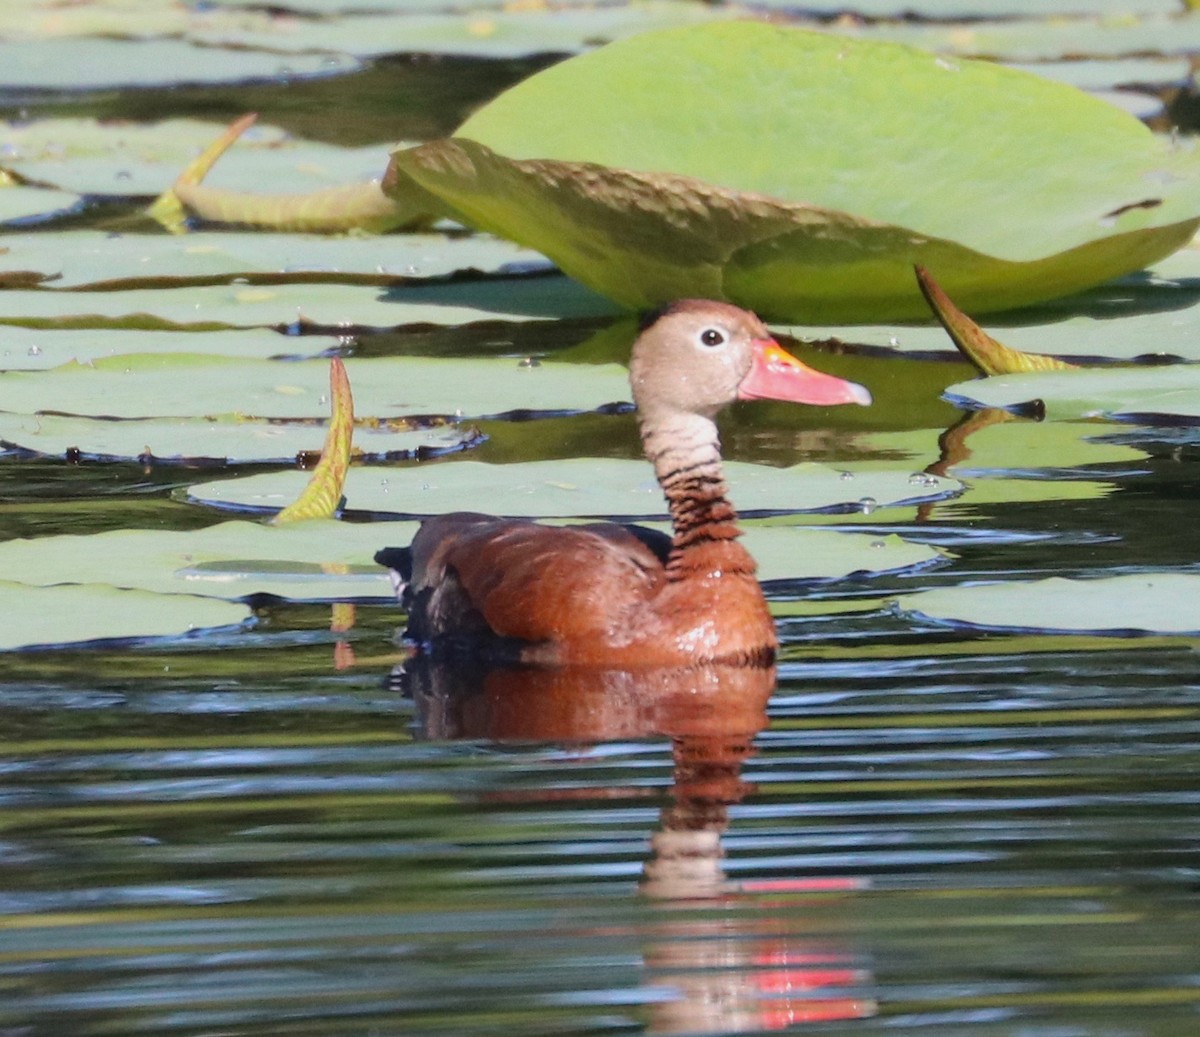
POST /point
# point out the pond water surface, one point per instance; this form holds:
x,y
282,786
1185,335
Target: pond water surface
x,y
926,829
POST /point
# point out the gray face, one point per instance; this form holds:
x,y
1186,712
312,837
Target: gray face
x,y
693,357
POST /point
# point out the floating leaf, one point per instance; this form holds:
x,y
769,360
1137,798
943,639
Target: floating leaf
x,y
29,349
1120,394
333,561
95,63
324,211
485,30
227,441
142,386
1044,39
108,157
87,258
1167,603
24,204
812,200
323,494
988,355
578,487
41,617
327,305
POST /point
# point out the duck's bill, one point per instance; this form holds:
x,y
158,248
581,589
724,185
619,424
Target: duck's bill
x,y
777,375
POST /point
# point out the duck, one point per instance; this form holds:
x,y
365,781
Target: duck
x,y
611,594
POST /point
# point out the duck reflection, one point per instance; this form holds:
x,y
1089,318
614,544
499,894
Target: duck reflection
x,y
719,956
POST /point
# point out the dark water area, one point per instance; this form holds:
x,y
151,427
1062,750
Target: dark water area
x,y
907,828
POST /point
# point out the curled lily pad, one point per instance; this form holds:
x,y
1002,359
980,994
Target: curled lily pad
x,y
45,616
811,200
1167,603
584,487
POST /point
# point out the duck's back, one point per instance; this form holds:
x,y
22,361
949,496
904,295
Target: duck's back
x,y
596,594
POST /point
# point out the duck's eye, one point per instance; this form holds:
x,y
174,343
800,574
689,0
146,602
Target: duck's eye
x,y
712,337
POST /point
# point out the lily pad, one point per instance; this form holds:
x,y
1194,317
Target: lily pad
x,y
145,386
322,560
810,200
45,616
1043,39
583,487
326,305
25,204
30,349
77,259
94,63
1166,394
219,442
1165,603
492,31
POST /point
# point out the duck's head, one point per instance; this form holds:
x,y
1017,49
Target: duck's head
x,y
697,356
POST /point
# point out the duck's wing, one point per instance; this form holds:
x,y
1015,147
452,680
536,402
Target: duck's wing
x,y
473,574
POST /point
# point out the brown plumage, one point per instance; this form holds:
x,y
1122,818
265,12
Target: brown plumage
x,y
605,594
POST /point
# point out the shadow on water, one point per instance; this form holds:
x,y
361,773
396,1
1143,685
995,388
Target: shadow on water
x,y
715,957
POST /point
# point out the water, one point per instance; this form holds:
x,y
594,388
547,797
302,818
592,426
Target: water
x,y
924,831
921,829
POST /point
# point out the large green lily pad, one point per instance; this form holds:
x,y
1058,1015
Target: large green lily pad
x,y
333,561
802,175
580,487
1166,603
48,616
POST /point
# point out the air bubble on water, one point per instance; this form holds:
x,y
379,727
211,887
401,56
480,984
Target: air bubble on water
x,y
867,505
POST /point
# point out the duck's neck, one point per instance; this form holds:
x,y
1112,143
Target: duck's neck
x,y
686,453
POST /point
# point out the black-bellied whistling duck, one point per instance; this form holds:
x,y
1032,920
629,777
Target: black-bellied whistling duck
x,y
605,594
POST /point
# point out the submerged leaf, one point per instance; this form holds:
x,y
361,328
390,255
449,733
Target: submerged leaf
x,y
990,356
323,494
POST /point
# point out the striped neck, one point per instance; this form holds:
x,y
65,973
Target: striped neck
x,y
686,454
